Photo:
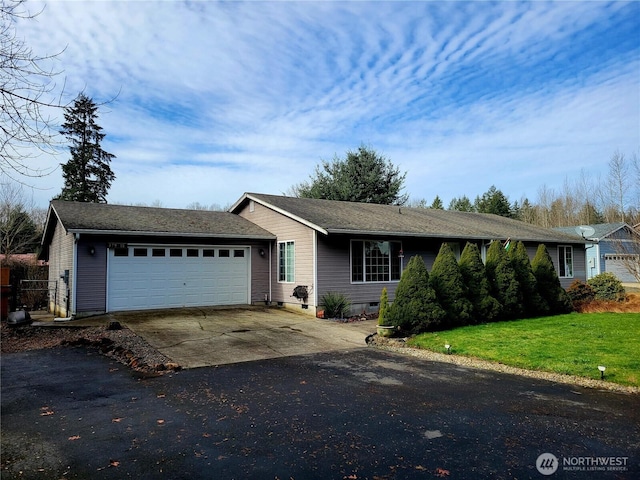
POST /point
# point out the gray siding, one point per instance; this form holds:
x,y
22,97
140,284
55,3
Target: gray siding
x,y
287,229
334,270
92,270
91,291
61,259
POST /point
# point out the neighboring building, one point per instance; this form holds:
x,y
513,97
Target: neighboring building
x,y
282,250
107,258
614,248
359,248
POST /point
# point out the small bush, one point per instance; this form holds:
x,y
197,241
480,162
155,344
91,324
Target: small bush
x,y
336,305
384,307
606,286
580,293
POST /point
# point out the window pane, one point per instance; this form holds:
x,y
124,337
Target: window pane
x,y
175,252
193,252
139,252
357,261
223,253
121,252
208,252
396,248
377,261
158,252
238,253
286,262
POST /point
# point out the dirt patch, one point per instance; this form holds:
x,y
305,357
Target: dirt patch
x,y
121,344
630,305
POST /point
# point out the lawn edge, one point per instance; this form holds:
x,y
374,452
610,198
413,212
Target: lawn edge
x,y
398,346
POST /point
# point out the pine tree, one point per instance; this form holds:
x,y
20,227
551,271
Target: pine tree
x,y
384,307
548,282
533,303
447,281
415,308
87,175
485,307
503,284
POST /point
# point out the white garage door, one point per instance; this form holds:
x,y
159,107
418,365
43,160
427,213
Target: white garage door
x,y
622,265
147,277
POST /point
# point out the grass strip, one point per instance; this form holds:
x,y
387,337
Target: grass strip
x,y
573,344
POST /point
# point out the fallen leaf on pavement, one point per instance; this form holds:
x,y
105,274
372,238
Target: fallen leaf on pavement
x,y
74,437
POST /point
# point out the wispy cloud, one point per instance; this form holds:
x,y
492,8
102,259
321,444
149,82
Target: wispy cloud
x,y
217,98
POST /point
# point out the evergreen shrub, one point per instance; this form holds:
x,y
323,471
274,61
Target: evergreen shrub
x,y
503,284
606,286
415,308
548,282
532,303
580,293
448,284
485,307
384,307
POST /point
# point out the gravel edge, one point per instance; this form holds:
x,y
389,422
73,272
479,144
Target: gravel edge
x,y
399,346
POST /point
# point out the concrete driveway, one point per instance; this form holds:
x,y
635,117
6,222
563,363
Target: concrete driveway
x,y
201,337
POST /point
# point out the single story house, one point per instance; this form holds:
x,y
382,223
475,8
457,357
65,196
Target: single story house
x,y
106,258
267,248
614,248
359,248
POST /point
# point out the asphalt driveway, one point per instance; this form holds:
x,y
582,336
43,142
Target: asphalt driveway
x,y
201,337
361,414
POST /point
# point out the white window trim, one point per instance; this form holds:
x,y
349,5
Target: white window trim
x,y
561,261
364,273
287,242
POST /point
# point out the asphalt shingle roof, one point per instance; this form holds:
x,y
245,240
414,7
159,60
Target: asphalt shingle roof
x,y
366,218
601,230
100,217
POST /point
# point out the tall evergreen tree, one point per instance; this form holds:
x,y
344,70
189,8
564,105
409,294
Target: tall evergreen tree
x,y
485,307
533,303
447,281
548,282
462,204
415,307
364,176
493,201
87,175
503,284
437,203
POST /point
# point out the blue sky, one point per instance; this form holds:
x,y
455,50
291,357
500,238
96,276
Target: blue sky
x,y
218,98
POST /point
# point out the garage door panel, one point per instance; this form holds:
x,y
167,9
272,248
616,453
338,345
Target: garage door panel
x,y
137,283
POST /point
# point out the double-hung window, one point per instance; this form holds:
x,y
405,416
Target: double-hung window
x,y
375,261
286,261
565,261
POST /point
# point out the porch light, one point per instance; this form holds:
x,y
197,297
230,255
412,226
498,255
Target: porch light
x,y
448,347
602,368
92,250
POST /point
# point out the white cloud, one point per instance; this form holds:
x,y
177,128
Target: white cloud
x,y
250,96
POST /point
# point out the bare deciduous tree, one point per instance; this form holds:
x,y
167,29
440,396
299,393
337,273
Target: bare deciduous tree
x,y
19,232
28,91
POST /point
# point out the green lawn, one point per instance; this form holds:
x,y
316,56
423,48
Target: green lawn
x,y
573,344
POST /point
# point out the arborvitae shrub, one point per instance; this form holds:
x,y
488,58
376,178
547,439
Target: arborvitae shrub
x,y
503,284
606,286
447,282
580,293
532,302
384,307
485,307
415,308
548,282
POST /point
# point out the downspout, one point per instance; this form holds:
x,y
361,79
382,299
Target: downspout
x,y
270,291
315,271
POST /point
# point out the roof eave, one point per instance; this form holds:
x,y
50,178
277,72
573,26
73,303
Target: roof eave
x,y
281,211
130,233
